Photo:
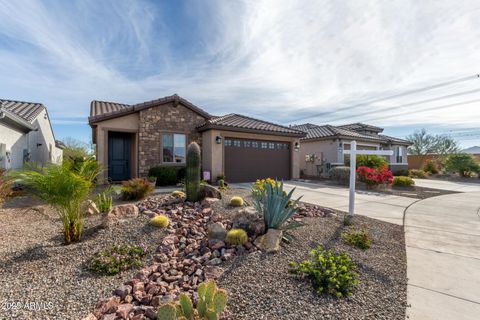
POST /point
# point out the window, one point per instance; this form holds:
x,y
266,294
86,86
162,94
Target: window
x,y
174,148
399,155
247,144
228,143
264,145
236,143
271,145
254,144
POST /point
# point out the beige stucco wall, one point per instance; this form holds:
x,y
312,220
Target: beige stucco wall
x,y
324,150
127,123
213,153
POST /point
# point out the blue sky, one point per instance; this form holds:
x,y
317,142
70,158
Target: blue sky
x,y
284,61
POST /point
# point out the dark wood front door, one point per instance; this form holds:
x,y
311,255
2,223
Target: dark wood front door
x,y
248,160
119,156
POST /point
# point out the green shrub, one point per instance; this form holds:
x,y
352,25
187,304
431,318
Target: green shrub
x,y
430,167
462,163
401,172
402,181
419,174
371,161
66,189
358,238
118,258
236,201
5,186
274,206
167,175
136,189
160,221
211,303
340,174
236,237
330,273
104,200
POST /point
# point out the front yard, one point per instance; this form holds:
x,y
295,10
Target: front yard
x,y
41,277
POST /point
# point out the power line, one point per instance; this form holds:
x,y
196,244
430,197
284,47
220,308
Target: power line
x,y
409,92
426,109
406,105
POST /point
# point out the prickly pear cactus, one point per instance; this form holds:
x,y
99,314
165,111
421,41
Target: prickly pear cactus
x,y
220,301
192,178
187,306
167,312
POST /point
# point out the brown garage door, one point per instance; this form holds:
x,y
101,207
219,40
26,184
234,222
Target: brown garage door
x,y
248,160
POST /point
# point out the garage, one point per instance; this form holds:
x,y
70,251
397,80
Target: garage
x,y
247,159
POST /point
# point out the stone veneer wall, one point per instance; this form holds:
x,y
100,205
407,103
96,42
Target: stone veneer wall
x,y
164,119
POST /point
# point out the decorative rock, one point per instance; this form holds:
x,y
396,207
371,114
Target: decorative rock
x,y
208,191
216,231
92,208
248,220
270,242
125,210
123,291
214,262
207,202
216,245
213,272
123,310
90,316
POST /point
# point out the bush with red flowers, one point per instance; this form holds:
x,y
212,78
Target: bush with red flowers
x,y
374,177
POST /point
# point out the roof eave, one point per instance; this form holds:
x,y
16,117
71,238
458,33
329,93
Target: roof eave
x,y
15,121
247,130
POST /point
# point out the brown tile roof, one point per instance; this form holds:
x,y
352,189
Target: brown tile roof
x,y
103,110
315,132
360,126
237,122
27,111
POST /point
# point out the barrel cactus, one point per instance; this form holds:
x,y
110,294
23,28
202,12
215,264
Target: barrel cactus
x,y
236,237
236,201
192,178
160,221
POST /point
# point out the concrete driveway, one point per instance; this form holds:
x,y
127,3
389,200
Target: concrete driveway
x,y
442,237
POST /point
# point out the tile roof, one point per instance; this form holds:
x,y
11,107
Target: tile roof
x,y
360,126
27,111
326,131
102,110
243,123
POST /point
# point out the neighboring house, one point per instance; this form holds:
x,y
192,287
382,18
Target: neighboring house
x,y
131,139
324,146
26,135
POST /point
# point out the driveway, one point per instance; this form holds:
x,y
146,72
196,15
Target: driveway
x,y
442,236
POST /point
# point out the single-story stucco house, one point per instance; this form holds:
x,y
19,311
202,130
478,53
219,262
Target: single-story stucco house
x,y
131,139
324,145
26,135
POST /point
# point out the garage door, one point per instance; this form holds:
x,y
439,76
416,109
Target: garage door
x,y
248,160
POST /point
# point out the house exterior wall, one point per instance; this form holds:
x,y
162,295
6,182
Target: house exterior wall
x,y
127,123
156,121
14,142
213,153
40,144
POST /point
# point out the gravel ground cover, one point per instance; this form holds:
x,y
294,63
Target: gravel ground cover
x,y
41,278
260,286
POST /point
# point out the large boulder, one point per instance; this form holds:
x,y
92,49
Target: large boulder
x,y
119,213
249,220
208,191
270,242
216,231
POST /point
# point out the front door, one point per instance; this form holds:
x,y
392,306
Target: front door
x,y
119,156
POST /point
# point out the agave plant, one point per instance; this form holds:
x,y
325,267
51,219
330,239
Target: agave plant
x,y
274,205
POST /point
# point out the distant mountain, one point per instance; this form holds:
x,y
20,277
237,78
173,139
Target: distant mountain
x,y
472,150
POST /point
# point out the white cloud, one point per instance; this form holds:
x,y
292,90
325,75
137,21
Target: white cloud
x,y
274,59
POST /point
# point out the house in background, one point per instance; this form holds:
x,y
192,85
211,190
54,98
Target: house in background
x,y
131,139
26,135
324,145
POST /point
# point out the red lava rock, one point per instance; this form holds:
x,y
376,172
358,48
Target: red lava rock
x,y
123,310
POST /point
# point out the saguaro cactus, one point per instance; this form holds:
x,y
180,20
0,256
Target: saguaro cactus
x,y
192,178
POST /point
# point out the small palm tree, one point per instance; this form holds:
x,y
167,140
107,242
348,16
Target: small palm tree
x,y
66,188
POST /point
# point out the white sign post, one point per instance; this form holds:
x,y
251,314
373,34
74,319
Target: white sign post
x,y
353,172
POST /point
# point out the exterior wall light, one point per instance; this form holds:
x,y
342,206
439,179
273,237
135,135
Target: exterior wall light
x,y
218,139
297,146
